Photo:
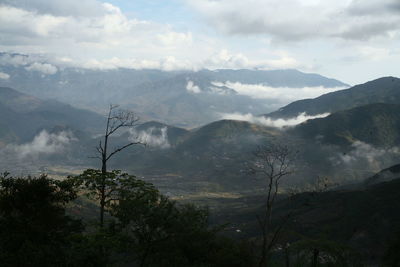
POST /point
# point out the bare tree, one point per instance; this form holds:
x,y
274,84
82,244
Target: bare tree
x,y
116,120
272,162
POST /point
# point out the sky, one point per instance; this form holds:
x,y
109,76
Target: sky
x,y
350,40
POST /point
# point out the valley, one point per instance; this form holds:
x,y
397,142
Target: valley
x,y
199,133
337,146
208,165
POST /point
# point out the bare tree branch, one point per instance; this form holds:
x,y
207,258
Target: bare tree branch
x,y
122,148
116,120
94,157
273,163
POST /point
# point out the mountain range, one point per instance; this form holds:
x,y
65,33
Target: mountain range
x,y
347,145
180,98
353,148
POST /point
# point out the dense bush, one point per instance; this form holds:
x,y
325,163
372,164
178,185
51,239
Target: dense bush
x,y
144,228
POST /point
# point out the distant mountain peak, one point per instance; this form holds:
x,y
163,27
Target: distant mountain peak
x,y
184,98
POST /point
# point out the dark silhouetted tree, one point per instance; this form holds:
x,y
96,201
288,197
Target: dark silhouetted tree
x,y
111,187
271,163
34,228
164,233
117,119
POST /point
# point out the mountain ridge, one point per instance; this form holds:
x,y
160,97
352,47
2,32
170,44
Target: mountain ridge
x,y
181,98
376,124
25,115
382,90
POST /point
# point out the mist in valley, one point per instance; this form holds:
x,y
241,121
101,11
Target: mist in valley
x,y
199,133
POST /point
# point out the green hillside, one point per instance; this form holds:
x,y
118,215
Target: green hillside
x,y
227,133
385,175
23,116
383,90
375,124
363,220
174,135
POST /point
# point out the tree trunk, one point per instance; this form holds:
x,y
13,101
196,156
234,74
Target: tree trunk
x,y
263,261
102,206
287,256
103,178
315,258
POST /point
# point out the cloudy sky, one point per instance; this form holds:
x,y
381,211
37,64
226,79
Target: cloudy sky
x,y
351,40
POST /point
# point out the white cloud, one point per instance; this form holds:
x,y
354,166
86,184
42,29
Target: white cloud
x,y
226,59
87,8
300,19
169,63
152,137
364,159
44,68
115,63
222,60
44,143
266,121
281,94
110,32
174,38
22,22
371,154
31,62
373,53
219,90
4,76
93,34
190,87
106,38
14,60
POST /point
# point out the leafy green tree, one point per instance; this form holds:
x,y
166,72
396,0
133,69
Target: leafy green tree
x,y
392,257
34,228
312,252
159,232
111,187
96,248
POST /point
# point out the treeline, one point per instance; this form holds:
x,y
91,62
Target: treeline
x,y
138,226
41,224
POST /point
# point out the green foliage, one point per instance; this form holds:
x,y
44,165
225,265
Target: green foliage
x,y
115,182
99,247
392,256
159,232
34,229
149,229
109,188
322,253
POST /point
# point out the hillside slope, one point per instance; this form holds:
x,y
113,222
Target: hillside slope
x,y
364,219
23,116
375,124
383,90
